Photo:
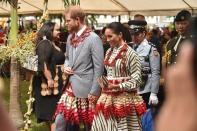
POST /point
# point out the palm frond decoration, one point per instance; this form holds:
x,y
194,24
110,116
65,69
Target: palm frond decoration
x,y
13,3
71,2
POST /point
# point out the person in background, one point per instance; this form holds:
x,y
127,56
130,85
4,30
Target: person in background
x,y
119,106
83,65
61,41
154,34
155,39
150,61
181,25
172,47
48,81
179,110
139,17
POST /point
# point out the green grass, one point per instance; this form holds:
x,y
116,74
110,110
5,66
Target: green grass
x,y
24,86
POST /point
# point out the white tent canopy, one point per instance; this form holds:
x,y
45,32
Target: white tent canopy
x,y
158,7
112,7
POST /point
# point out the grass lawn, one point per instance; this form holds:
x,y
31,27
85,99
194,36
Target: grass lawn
x,y
24,85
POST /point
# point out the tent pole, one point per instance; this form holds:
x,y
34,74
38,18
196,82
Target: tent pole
x,y
119,18
189,6
60,17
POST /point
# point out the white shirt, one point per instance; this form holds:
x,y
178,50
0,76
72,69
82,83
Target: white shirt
x,y
66,63
78,34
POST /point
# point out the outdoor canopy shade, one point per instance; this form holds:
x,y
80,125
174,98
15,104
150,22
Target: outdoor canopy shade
x,y
111,7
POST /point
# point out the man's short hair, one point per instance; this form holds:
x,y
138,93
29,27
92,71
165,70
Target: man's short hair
x,y
76,11
139,17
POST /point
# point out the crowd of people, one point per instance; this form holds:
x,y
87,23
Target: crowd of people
x,y
106,81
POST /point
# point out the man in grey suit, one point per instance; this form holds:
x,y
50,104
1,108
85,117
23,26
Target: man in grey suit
x,y
83,65
150,60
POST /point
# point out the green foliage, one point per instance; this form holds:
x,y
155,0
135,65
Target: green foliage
x,y
23,97
92,19
24,47
6,1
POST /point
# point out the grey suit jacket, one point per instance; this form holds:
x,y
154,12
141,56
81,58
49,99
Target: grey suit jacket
x,y
87,65
152,84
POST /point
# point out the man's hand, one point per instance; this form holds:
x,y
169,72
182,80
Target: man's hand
x,y
92,98
68,71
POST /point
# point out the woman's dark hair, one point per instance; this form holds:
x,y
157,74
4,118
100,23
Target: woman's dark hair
x,y
118,28
127,35
46,31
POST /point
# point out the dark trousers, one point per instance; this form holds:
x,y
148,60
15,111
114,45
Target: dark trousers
x,y
63,125
161,97
145,97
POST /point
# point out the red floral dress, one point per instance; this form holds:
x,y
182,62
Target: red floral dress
x,y
120,109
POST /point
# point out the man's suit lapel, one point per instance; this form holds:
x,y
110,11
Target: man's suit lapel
x,y
79,48
71,56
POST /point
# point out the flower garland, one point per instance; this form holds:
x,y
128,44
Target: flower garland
x,y
29,103
119,55
76,41
25,45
